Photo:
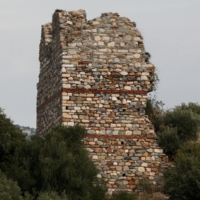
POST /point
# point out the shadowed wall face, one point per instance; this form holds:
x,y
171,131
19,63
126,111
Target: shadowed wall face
x,y
96,73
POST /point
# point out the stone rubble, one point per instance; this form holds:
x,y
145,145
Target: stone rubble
x,y
97,73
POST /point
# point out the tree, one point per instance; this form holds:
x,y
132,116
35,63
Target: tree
x,y
182,126
194,107
52,196
57,162
169,141
154,110
186,122
9,190
182,182
123,195
11,137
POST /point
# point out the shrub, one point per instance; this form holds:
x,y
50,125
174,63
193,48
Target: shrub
x,y
11,137
57,162
52,196
169,141
9,190
183,181
123,195
194,107
186,121
154,110
146,186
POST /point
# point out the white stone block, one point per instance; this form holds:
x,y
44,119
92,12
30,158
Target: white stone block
x,y
97,38
95,22
127,87
95,157
105,38
148,169
66,86
100,43
87,87
137,39
66,65
141,169
158,150
69,22
128,133
136,55
111,44
144,164
70,123
136,132
124,73
144,78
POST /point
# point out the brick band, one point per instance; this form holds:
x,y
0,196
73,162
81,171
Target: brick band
x,y
99,91
49,100
116,136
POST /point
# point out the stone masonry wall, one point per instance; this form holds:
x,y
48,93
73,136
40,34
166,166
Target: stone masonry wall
x,y
97,73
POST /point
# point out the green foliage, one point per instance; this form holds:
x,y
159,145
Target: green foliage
x,y
146,186
10,136
9,190
154,110
123,195
169,141
182,182
52,196
186,122
65,164
59,10
194,107
57,162
183,125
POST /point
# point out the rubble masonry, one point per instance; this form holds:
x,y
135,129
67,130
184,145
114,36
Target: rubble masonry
x,y
97,73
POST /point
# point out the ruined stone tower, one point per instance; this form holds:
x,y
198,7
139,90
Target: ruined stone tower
x,y
96,73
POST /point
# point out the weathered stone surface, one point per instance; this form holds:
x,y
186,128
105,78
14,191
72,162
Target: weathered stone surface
x,y
94,73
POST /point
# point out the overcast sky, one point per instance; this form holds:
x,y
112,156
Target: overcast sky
x,y
171,31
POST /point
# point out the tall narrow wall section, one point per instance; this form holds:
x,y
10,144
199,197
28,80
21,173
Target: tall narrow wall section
x,y
96,73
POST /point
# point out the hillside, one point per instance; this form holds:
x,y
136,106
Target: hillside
x,y
27,130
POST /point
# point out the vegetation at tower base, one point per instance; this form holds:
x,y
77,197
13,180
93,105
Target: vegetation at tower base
x,y
9,190
182,126
175,126
182,182
122,195
194,107
170,141
11,138
154,110
57,162
186,121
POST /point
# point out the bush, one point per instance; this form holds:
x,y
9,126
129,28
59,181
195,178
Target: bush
x,y
57,162
194,107
11,137
186,122
52,196
9,190
169,141
123,195
183,181
154,110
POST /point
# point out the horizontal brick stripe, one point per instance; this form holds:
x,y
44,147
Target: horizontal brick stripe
x,y
99,91
116,136
57,94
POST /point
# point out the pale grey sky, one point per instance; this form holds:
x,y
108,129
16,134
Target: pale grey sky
x,y
170,28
